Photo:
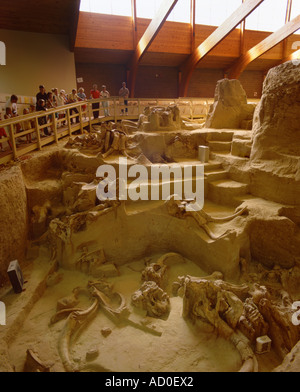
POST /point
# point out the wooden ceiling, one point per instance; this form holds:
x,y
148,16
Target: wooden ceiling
x,y
109,39
40,16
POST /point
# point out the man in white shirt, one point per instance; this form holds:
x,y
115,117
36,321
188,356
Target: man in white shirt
x,y
124,94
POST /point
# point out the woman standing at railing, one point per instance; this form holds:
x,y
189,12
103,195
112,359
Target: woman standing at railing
x,y
95,94
82,97
62,100
41,106
73,98
55,99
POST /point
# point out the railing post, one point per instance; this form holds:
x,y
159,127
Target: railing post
x,y
13,141
80,119
38,136
115,110
90,112
69,122
55,127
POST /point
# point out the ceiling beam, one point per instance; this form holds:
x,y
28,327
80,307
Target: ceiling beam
x,y
293,56
147,38
193,23
134,22
261,48
287,19
74,12
242,35
213,40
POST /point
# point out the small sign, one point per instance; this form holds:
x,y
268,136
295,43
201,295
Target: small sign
x,y
79,80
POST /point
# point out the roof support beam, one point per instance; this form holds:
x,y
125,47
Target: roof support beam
x,y
146,40
193,24
294,56
213,40
74,23
134,22
261,48
242,35
287,19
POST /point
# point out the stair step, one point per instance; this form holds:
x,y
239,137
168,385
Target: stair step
x,y
219,146
212,166
225,191
221,136
216,175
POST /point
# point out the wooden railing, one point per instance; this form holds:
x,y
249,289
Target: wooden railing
x,y
63,122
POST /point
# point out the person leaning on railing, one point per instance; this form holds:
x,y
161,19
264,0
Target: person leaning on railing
x,y
11,110
41,106
62,100
50,105
82,97
73,98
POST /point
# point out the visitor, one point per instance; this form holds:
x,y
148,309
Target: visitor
x,y
124,94
105,94
95,94
41,95
62,100
12,103
82,97
3,133
50,105
41,106
73,98
11,110
55,96
55,99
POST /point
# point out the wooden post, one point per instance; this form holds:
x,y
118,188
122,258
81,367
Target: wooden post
x,y
90,113
193,24
287,19
115,110
139,107
38,136
13,141
69,122
80,119
55,128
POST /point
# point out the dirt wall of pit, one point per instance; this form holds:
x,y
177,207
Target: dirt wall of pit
x,y
13,219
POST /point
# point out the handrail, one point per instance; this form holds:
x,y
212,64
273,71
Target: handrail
x,y
61,120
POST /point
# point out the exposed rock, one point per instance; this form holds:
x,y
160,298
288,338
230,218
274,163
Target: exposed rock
x,y
291,362
13,219
275,162
230,108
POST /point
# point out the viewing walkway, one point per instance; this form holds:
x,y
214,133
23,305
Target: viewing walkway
x,y
26,133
